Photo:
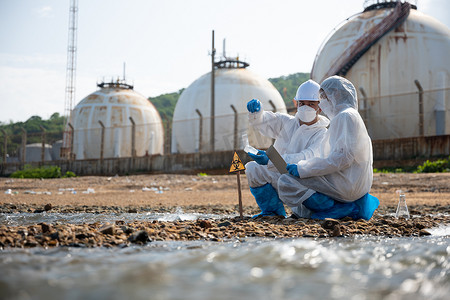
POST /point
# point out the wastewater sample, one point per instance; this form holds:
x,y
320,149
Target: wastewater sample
x,y
402,208
247,147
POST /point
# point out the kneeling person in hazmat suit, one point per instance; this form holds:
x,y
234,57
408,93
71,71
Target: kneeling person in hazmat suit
x,y
296,138
336,184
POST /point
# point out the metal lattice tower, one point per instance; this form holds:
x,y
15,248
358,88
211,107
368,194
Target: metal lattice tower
x,y
70,70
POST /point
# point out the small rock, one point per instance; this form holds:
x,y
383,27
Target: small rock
x,y
108,229
139,236
54,235
45,227
420,226
185,232
424,232
226,223
336,231
81,236
30,242
126,229
48,207
330,223
53,243
204,224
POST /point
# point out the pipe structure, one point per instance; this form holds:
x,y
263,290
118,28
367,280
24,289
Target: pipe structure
x,y
274,108
102,143
165,123
5,146
72,133
419,87
24,144
167,134
43,144
439,105
200,131
365,110
213,54
235,136
133,137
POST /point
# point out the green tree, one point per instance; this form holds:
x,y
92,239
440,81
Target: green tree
x,y
287,86
53,129
165,104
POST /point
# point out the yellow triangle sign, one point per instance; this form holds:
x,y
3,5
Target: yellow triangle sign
x,y
236,164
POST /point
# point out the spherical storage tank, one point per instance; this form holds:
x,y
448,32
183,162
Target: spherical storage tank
x,y
397,58
113,105
234,87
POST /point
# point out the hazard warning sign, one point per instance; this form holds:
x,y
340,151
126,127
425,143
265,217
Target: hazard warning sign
x,y
236,164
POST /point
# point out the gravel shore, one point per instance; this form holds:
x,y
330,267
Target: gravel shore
x,y
122,233
428,201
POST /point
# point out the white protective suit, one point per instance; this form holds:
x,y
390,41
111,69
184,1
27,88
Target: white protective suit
x,y
344,169
292,141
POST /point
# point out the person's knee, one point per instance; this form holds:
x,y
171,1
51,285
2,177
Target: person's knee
x,y
250,168
253,173
283,180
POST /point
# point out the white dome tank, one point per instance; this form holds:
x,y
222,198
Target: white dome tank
x,y
390,74
113,105
233,86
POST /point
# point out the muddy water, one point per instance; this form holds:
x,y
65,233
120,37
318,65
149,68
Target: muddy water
x,y
17,219
304,268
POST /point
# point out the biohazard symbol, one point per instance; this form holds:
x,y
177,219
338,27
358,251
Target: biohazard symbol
x,y
236,164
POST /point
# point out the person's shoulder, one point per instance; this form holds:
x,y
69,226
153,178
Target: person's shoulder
x,y
348,113
285,117
323,122
348,116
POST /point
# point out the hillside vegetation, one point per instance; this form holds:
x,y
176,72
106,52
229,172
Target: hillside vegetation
x,y
286,86
53,131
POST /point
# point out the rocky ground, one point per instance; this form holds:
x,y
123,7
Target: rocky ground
x,y
428,198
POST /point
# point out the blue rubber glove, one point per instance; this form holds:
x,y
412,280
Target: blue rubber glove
x,y
292,169
253,105
261,158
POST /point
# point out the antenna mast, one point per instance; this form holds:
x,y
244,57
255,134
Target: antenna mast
x,y
70,71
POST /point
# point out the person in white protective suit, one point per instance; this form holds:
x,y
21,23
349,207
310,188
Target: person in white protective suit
x,y
296,138
335,184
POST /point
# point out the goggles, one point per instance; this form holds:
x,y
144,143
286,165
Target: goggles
x,y
322,95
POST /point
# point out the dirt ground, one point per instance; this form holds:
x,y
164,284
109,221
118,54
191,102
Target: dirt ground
x,y
171,190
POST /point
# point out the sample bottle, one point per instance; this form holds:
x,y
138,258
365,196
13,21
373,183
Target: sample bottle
x,y
247,147
402,208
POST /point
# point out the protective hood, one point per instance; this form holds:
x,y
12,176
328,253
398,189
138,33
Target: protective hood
x,y
341,93
344,169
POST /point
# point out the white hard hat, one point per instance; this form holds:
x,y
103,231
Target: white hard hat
x,y
308,90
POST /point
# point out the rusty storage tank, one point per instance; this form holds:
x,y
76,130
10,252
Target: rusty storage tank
x,y
116,106
235,85
397,58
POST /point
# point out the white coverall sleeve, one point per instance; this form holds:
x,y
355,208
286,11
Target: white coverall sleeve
x,y
268,123
343,144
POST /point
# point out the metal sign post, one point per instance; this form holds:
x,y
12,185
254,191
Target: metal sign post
x,y
236,167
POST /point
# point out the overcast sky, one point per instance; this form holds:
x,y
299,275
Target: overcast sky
x,y
165,44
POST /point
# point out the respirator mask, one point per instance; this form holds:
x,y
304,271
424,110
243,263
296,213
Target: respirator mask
x,y
306,113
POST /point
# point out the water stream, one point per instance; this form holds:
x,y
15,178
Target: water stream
x,y
305,268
